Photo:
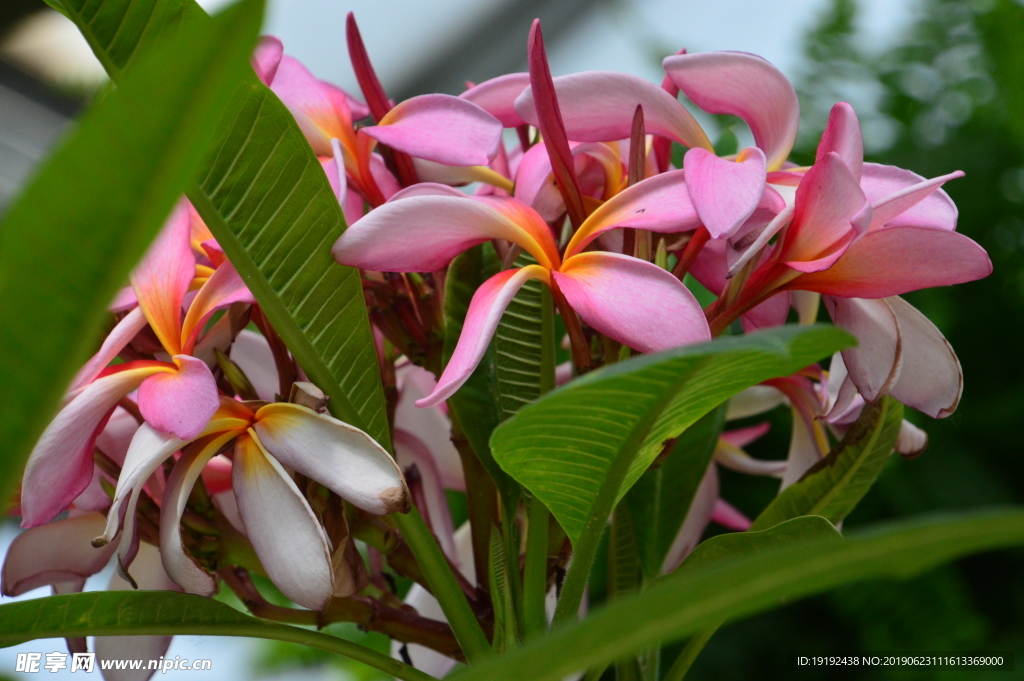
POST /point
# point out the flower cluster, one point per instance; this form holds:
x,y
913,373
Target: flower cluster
x,y
200,437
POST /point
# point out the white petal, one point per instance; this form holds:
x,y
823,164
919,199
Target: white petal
x,y
56,553
697,519
931,380
431,425
757,399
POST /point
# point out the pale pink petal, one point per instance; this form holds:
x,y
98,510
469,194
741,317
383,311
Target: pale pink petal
x,y
385,180
285,533
181,402
757,399
54,553
842,136
119,336
535,184
658,204
179,565
266,58
124,300
727,515
843,398
934,210
424,233
163,277
339,456
217,336
830,212
598,106
427,189
632,301
895,260
873,364
741,437
931,380
411,451
724,192
743,85
734,458
322,110
224,287
772,312
431,426
485,310
901,207
804,450
440,128
697,519
252,354
912,441
429,171
497,97
60,465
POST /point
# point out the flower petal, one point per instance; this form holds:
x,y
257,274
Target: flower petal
x,y
893,261
424,233
485,310
727,515
119,336
803,450
285,533
535,183
632,301
658,204
842,136
874,364
178,564
431,426
322,110
411,451
598,106
253,355
697,519
934,210
931,380
223,288
724,192
757,399
743,85
830,211
339,456
54,553
894,208
912,441
266,58
440,128
164,275
180,402
60,465
736,459
497,97
429,171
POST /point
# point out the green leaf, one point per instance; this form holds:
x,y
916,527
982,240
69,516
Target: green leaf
x,y
267,200
661,498
137,613
689,601
522,360
500,578
69,242
562,447
835,485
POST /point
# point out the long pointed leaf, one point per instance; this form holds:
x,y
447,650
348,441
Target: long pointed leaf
x,y
70,241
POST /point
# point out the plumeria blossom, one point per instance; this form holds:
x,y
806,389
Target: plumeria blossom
x,y
284,531
629,300
439,129
177,396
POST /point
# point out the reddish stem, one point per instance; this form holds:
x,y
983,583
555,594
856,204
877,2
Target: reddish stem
x,y
578,343
690,253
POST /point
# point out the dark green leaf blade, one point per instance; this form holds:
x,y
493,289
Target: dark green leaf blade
x,y
563,446
69,242
680,605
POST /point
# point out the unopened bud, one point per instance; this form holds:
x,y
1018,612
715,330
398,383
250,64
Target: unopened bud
x,y
308,395
235,377
912,441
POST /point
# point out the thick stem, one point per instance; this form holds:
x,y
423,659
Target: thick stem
x,y
535,570
444,585
690,253
580,347
481,500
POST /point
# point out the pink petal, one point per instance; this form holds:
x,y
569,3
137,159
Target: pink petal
x,y
267,58
178,564
485,310
424,233
931,380
339,456
124,301
411,451
119,336
741,437
285,533
743,85
535,184
440,128
322,110
54,553
772,312
497,97
901,207
727,515
934,209
60,465
697,518
632,301
724,192
830,212
163,277
659,204
224,287
431,426
842,136
893,261
430,172
874,363
598,106
182,402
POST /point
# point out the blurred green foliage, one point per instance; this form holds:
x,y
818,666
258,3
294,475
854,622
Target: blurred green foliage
x,y
949,95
